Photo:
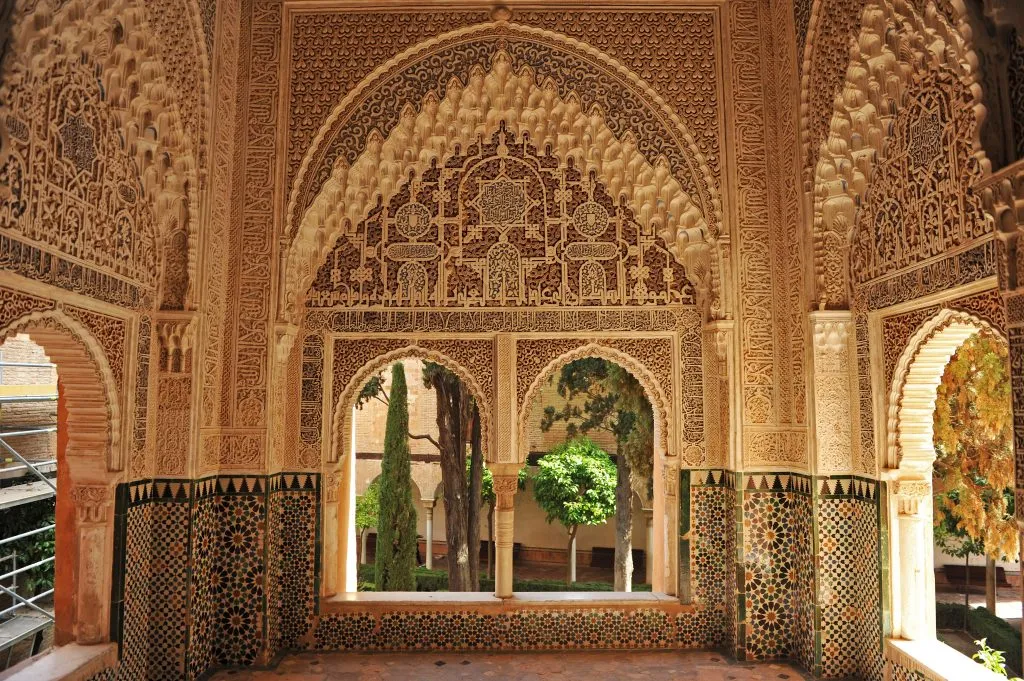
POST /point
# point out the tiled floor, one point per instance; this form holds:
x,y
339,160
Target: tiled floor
x,y
542,666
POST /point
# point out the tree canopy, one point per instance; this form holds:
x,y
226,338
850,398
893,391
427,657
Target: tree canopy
x,y
973,434
368,506
575,484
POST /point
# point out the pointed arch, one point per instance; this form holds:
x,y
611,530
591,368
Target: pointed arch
x,y
326,201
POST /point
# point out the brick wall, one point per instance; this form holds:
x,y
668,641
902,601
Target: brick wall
x,y
27,381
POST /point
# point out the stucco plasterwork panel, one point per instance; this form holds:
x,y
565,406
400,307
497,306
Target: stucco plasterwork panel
x,y
356,360
650,360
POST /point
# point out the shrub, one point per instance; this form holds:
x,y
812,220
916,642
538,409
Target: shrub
x,y
982,624
437,580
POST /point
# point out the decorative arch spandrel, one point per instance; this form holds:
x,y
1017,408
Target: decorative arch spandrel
x,y
649,360
356,360
909,78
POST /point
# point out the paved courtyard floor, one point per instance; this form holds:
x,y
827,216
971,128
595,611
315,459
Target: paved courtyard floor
x,y
534,666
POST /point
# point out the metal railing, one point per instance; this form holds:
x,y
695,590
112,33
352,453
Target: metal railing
x,y
19,601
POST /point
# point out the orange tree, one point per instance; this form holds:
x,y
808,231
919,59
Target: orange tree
x,y
974,467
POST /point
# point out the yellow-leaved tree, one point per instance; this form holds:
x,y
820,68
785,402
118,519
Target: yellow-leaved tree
x,y
974,466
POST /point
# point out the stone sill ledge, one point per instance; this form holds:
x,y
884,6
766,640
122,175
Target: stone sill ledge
x,y
71,662
488,602
937,661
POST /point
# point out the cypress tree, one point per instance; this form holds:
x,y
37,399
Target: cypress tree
x,y
396,528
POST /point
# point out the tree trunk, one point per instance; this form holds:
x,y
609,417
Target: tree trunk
x,y
451,437
967,587
623,525
570,558
490,539
990,584
476,482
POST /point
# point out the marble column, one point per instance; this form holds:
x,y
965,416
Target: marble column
x,y
506,483
428,506
916,593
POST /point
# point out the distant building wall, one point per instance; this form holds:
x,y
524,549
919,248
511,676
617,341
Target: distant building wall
x,y
27,381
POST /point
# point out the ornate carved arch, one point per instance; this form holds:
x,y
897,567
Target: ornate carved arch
x,y
651,385
88,384
346,397
911,405
347,168
895,48
114,40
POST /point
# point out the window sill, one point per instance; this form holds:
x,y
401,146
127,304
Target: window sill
x,y
487,601
937,661
71,662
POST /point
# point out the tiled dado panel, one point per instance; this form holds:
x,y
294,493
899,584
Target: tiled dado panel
x,y
711,500
777,572
540,629
849,591
294,559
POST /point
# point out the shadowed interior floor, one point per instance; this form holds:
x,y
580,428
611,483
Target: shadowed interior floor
x,y
529,666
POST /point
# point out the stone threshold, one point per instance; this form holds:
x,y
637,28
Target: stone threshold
x,y
71,662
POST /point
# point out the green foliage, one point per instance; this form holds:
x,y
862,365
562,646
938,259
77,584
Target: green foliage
x,y
25,518
974,465
982,624
575,484
614,401
368,506
372,390
991,659
396,529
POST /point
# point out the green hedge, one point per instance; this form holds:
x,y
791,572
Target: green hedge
x,y
982,624
437,580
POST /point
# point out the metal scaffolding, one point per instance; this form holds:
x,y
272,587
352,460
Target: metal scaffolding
x,y
25,617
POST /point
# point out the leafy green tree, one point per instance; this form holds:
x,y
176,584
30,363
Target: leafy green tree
x,y
367,510
974,464
396,528
601,395
575,485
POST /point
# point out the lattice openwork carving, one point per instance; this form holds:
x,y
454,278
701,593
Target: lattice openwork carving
x,y
501,225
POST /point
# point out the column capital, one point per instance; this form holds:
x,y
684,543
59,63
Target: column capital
x,y
910,495
92,503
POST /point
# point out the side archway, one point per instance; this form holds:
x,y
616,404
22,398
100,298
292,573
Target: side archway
x,y
910,455
89,461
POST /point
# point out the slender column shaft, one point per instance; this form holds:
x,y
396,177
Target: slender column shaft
x,y
430,535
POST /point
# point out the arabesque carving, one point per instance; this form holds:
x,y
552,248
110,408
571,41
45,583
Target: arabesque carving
x,y
118,171
501,225
897,52
465,113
